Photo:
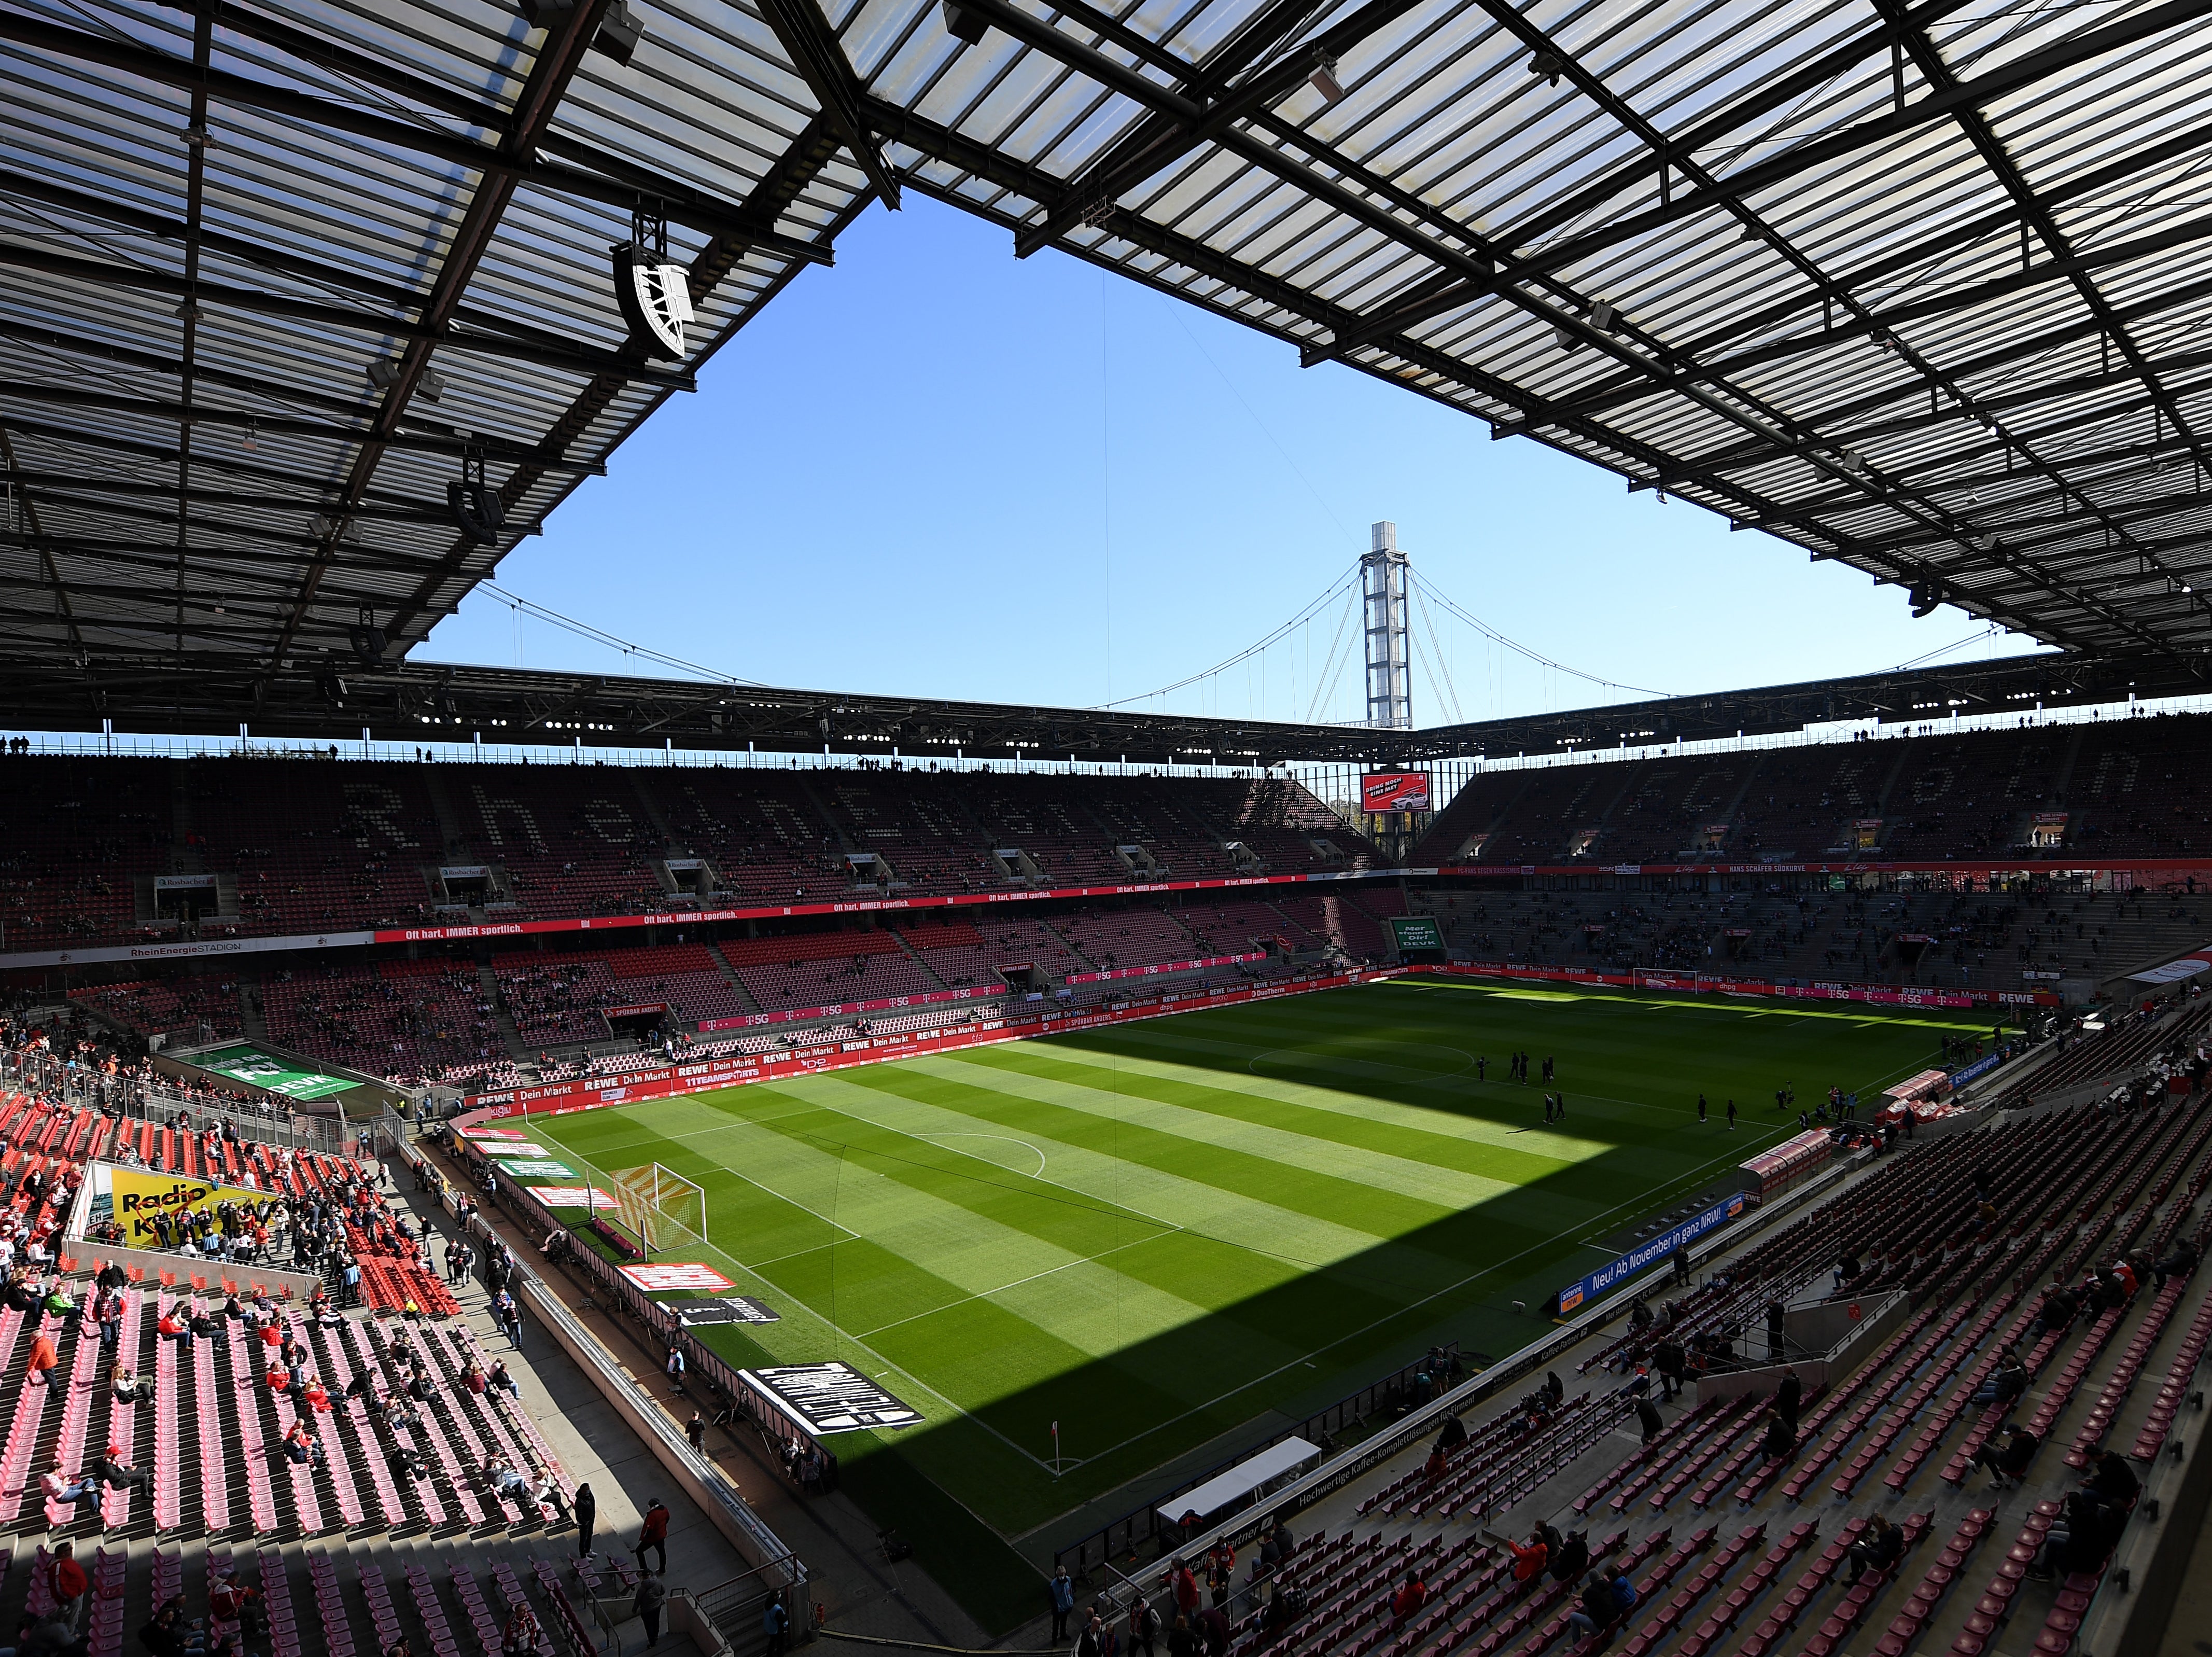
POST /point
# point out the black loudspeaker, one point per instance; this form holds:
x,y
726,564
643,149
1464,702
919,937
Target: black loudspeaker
x,y
476,510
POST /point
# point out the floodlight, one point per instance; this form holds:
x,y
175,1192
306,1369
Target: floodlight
x,y
1564,337
1601,317
1546,64
1323,79
383,373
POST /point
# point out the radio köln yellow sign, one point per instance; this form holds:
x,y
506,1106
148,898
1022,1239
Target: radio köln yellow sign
x,y
147,1204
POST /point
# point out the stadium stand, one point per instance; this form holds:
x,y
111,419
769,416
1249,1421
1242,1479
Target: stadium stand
x,y
2111,788
1862,1521
824,969
399,1018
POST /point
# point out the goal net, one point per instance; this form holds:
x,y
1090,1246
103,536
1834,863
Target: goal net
x,y
657,1203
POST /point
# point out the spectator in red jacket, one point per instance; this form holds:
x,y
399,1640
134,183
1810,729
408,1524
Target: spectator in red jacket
x,y
1410,1598
1530,1558
43,1358
653,1534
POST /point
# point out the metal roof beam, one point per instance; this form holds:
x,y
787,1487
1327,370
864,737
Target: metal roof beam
x,y
254,302
2017,350
2014,530
1389,218
554,66
815,50
82,489
1728,192
165,454
319,274
392,559
803,160
505,161
1161,140
902,126
494,449
1875,323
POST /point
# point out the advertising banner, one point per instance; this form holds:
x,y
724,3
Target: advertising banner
x,y
1699,983
573,1197
665,1275
831,1397
1650,1253
2128,875
542,1168
1394,791
730,1309
1412,932
134,1196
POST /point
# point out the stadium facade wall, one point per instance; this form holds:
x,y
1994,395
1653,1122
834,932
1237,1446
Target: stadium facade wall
x,y
2121,875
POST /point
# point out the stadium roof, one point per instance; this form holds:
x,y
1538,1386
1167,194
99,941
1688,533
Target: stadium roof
x,y
1918,286
433,702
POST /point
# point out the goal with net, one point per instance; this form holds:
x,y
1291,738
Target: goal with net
x,y
658,1205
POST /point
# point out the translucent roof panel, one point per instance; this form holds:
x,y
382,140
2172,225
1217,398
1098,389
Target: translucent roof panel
x,y
1919,287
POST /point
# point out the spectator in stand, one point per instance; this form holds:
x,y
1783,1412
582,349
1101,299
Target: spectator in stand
x,y
1406,1604
67,1582
1666,1358
1647,1419
1530,1559
1789,1396
2007,1453
2056,1312
2112,1478
1879,1547
1780,1441
2006,1383
1595,1611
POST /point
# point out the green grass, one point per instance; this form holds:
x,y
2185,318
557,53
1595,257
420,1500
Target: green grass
x,y
1156,1232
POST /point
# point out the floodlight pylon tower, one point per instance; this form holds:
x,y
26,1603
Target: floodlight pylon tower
x,y
1382,572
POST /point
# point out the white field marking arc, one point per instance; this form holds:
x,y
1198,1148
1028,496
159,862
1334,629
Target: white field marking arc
x,y
1008,1137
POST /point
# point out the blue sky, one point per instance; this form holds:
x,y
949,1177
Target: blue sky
x,y
938,470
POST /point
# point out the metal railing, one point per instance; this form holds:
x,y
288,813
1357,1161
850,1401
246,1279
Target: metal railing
x,y
537,1224
137,1097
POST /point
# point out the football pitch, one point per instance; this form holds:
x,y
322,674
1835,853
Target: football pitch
x,y
1157,1233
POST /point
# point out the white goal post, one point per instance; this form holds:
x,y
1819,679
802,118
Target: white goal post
x,y
651,1200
